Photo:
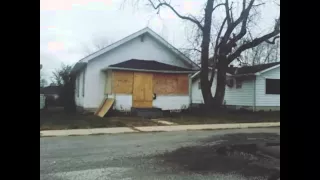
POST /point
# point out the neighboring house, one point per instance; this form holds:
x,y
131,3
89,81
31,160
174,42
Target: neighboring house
x,y
51,94
42,101
249,87
141,71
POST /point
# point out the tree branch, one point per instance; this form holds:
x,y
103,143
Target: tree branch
x,y
221,4
243,30
243,16
273,40
255,42
218,36
179,15
244,5
256,5
231,14
213,71
227,12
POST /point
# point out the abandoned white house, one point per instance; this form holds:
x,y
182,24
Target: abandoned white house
x,y
141,71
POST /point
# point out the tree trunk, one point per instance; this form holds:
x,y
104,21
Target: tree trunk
x,y
221,82
69,95
204,74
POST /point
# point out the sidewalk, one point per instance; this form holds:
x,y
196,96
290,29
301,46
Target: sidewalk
x,y
97,131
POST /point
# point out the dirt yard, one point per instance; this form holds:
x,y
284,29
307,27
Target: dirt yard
x,y
198,117
56,118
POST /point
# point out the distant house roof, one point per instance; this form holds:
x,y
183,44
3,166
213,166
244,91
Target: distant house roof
x,y
132,36
148,65
251,69
50,90
245,70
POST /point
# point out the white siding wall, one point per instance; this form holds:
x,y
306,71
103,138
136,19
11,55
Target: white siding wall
x,y
242,96
263,99
123,102
196,92
171,102
149,49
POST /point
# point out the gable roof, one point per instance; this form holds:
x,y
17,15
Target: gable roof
x,y
148,65
251,69
137,34
246,70
197,74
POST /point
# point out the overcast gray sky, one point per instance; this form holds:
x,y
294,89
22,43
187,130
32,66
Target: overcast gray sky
x,y
68,25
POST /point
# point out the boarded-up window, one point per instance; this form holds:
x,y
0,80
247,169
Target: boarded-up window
x,y
183,84
170,83
122,82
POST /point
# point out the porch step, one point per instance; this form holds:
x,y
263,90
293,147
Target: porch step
x,y
147,112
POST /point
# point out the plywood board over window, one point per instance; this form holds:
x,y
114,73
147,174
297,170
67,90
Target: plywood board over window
x,y
166,84
183,84
122,82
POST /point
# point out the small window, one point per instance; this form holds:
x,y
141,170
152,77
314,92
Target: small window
x,y
238,84
199,85
272,86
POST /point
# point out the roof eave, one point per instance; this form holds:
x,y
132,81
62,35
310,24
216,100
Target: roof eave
x,y
241,75
78,67
135,35
147,70
268,69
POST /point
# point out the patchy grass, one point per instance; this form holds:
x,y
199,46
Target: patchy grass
x,y
222,117
56,118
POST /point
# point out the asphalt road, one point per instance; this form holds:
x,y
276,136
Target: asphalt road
x,y
125,156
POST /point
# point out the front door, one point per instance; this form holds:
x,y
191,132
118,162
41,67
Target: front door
x,y
142,95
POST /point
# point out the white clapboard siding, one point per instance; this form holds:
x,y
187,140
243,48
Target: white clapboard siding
x,y
264,99
243,96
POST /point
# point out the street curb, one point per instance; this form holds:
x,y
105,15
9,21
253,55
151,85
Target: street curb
x,y
81,132
119,130
207,127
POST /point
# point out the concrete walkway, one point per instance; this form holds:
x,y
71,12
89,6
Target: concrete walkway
x,y
79,132
97,131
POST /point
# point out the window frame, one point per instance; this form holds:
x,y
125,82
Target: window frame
x,y
273,92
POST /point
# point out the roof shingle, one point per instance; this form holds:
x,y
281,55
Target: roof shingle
x,y
148,65
251,69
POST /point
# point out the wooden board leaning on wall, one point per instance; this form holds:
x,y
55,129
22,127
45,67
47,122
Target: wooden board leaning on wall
x,y
122,82
170,84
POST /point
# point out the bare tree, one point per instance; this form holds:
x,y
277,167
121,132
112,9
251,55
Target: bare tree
x,y
226,46
262,54
62,77
43,82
